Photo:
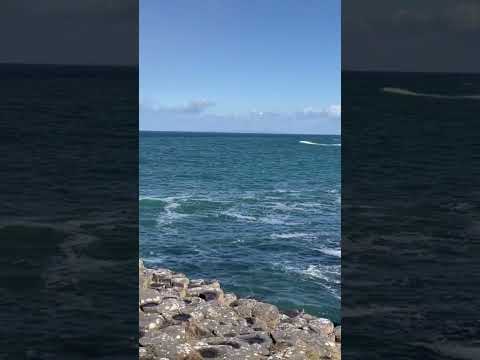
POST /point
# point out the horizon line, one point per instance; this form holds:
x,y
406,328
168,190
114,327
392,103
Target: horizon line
x,y
235,132
411,71
19,63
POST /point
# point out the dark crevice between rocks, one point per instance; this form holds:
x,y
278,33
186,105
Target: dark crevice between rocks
x,y
209,353
181,317
255,340
233,344
208,296
147,306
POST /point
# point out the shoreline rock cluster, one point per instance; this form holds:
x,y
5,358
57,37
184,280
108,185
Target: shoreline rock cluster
x,y
183,319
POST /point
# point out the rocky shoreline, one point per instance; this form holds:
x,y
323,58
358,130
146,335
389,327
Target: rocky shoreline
x,y
183,319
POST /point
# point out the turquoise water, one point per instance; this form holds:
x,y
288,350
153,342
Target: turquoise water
x,y
260,213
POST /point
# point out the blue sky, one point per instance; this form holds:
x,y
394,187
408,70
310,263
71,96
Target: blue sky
x,y
242,66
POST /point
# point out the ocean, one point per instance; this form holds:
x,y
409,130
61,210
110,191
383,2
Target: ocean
x,y
69,215
410,215
258,212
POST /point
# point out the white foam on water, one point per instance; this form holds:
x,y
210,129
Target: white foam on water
x,y
406,92
276,220
170,215
329,276
291,235
285,207
329,273
318,144
150,198
332,252
239,216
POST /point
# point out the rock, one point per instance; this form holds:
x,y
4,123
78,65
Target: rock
x,y
303,351
338,334
253,309
183,319
207,293
249,346
299,322
267,313
180,281
323,327
229,298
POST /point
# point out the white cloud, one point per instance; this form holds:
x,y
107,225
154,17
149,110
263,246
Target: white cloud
x,y
191,107
332,111
193,116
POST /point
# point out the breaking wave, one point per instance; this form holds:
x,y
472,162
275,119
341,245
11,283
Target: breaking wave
x,y
399,91
318,144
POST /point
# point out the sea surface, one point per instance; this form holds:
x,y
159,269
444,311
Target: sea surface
x,y
260,213
410,215
69,215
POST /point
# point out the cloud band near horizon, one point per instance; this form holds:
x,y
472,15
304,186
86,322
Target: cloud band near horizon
x,y
198,115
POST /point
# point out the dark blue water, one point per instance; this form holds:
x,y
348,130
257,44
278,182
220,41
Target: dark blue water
x,y
68,214
261,213
410,215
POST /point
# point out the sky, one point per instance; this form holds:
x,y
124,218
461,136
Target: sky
x,y
86,32
411,35
240,66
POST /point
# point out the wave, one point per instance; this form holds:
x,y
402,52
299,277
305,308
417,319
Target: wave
x,y
170,214
290,235
239,216
150,198
329,273
284,207
277,220
269,219
318,144
331,252
399,91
